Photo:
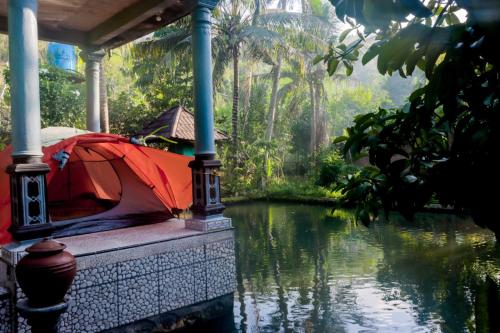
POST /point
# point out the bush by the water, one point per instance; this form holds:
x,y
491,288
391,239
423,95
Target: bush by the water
x,y
333,169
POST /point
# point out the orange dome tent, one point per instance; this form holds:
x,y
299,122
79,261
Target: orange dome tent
x,y
97,178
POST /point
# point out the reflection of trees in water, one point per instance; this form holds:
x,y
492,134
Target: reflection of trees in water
x,y
303,267
240,290
282,250
436,268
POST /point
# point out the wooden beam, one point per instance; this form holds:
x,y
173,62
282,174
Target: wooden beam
x,y
126,19
4,29
142,29
44,33
65,36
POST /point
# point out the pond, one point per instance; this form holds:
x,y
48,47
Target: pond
x,y
302,268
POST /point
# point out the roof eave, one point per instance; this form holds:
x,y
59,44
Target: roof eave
x,y
135,21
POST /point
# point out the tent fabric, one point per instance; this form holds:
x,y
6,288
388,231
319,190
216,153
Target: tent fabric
x,y
105,177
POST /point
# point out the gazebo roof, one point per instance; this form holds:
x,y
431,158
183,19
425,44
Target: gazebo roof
x,y
178,124
104,23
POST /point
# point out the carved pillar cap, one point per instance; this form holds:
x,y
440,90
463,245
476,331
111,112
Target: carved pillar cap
x,y
31,168
92,55
204,163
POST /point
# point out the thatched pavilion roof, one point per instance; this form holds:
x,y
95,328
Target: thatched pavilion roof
x,y
178,124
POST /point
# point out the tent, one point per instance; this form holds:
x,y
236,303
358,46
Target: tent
x,y
102,181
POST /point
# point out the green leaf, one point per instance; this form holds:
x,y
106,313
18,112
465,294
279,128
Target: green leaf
x,y
413,59
452,19
436,46
333,63
395,52
340,139
344,34
401,73
417,8
371,53
431,56
417,93
410,179
317,59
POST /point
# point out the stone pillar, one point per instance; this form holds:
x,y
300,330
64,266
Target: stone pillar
x,y
27,173
207,208
92,60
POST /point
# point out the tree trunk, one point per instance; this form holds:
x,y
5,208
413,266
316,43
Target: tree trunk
x,y
304,6
103,98
312,96
274,99
248,96
234,136
319,119
272,107
271,116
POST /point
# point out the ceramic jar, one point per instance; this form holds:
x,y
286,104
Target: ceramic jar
x,y
45,274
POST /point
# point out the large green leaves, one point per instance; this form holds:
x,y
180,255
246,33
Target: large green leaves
x,y
440,146
379,13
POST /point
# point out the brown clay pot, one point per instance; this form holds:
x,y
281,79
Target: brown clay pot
x,y
45,274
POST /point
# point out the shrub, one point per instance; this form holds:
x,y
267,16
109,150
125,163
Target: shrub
x,y
333,169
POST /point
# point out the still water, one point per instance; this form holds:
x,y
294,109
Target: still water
x,y
301,268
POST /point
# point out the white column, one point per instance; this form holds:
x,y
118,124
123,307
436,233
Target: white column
x,y
92,60
25,91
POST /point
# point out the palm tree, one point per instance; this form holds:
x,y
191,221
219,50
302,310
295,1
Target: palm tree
x,y
307,36
234,26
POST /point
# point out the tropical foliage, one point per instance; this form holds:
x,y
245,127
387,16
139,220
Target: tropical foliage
x,y
441,145
277,104
290,76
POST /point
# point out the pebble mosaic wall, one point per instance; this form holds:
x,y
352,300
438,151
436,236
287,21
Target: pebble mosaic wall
x,y
115,294
5,311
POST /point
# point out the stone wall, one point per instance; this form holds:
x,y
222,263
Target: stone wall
x,y
5,311
118,287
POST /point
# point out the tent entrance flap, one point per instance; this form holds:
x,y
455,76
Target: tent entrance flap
x,y
87,185
134,196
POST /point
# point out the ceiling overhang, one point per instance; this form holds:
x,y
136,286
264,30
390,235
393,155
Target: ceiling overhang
x,y
104,23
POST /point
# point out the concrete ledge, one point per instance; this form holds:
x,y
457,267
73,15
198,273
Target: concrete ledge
x,y
212,224
114,240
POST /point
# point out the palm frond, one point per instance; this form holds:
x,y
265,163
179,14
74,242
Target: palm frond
x,y
266,37
256,51
299,21
173,41
221,60
286,89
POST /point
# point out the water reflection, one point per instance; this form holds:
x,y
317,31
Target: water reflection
x,y
302,269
